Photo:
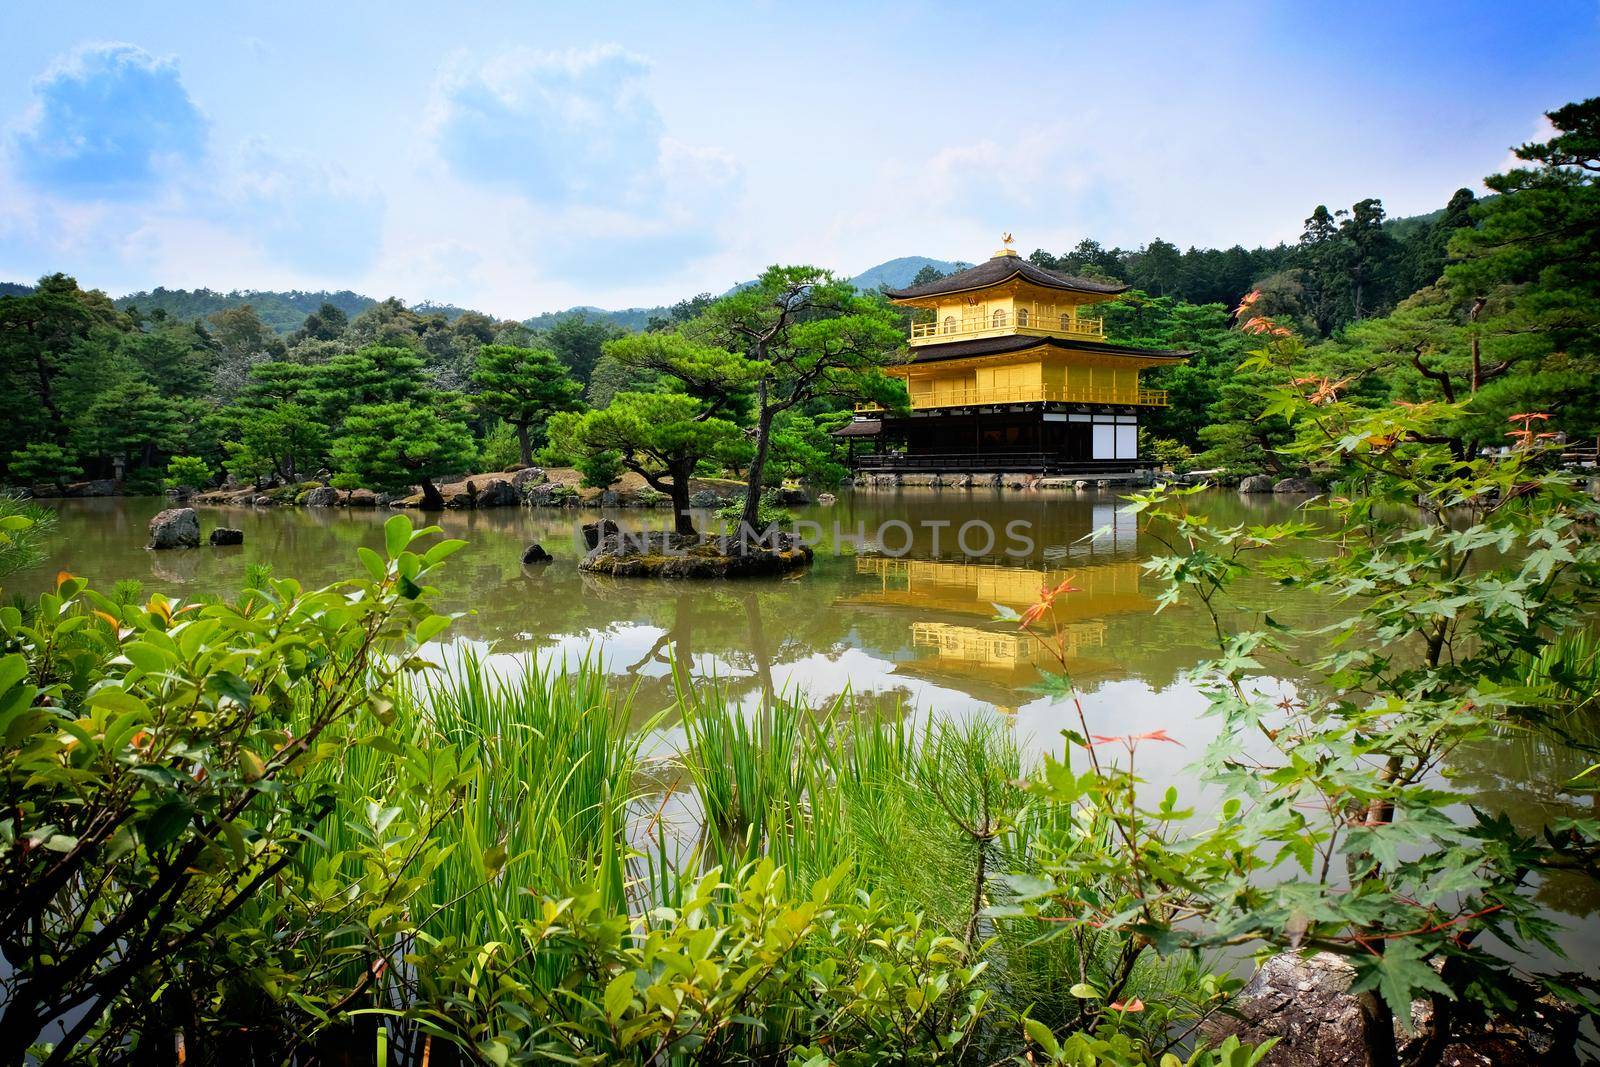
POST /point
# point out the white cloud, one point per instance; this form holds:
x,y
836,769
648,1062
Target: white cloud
x,y
107,120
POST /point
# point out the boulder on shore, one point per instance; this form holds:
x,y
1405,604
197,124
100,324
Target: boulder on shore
x,y
1304,1004
705,499
498,493
536,553
227,535
528,476
175,528
1256,483
323,496
1295,485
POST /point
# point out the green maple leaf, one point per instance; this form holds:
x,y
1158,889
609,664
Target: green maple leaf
x,y
1399,975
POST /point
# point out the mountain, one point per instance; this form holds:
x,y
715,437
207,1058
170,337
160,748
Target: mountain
x,y
628,318
897,273
284,312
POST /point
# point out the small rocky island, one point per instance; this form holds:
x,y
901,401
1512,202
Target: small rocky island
x,y
665,554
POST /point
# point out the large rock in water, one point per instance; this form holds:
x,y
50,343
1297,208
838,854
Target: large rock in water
x,y
1256,483
1303,1003
595,532
175,528
323,496
1295,485
536,554
224,535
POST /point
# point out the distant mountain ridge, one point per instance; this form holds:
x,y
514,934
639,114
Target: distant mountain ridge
x,y
286,311
899,273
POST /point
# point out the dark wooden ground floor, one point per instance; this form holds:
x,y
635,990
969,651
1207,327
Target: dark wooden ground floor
x,y
1036,439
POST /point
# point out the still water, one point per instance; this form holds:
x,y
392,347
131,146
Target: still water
x,y
909,620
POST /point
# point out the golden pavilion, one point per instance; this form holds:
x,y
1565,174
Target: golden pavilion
x,y
1010,371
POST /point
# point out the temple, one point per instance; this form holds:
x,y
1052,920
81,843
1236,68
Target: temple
x,y
1009,372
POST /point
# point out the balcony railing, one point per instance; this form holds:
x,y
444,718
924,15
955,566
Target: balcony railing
x,y
1028,325
1034,394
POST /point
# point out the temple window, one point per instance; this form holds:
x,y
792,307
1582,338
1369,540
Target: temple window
x,y
998,319
1066,321
1022,316
949,324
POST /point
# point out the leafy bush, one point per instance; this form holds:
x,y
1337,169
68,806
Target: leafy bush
x,y
500,450
600,469
161,764
187,472
24,529
1339,830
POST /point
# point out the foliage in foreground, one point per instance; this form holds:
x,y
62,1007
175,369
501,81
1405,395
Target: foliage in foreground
x,y
1339,829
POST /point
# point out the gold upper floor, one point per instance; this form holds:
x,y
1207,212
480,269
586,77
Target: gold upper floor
x,y
1012,309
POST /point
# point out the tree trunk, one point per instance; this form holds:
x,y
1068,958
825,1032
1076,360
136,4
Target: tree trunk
x,y
679,492
432,499
758,463
524,444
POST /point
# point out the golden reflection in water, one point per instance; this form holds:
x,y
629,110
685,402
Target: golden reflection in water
x,y
949,597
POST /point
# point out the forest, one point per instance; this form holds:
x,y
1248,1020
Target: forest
x,y
1491,298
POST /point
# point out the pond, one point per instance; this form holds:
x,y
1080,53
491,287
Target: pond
x,y
892,609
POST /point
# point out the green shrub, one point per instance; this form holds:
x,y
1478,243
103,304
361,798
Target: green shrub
x,y
499,450
600,469
187,472
161,767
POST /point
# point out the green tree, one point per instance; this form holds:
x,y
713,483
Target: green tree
x,y
523,386
284,441
393,446
43,462
39,333
131,418
659,436
579,340
802,333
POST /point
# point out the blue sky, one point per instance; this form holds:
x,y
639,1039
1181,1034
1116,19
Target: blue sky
x,y
521,157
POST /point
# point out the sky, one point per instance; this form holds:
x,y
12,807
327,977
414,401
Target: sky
x,y
526,157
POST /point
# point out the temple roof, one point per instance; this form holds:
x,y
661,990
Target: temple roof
x,y
994,346
1002,268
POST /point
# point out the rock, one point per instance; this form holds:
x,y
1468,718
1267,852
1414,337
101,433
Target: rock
x,y
528,476
498,493
360,498
1295,485
705,498
610,499
535,553
175,528
595,532
1303,1003
226,535
262,501
322,497
826,500
95,487
792,496
1256,483
1080,484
